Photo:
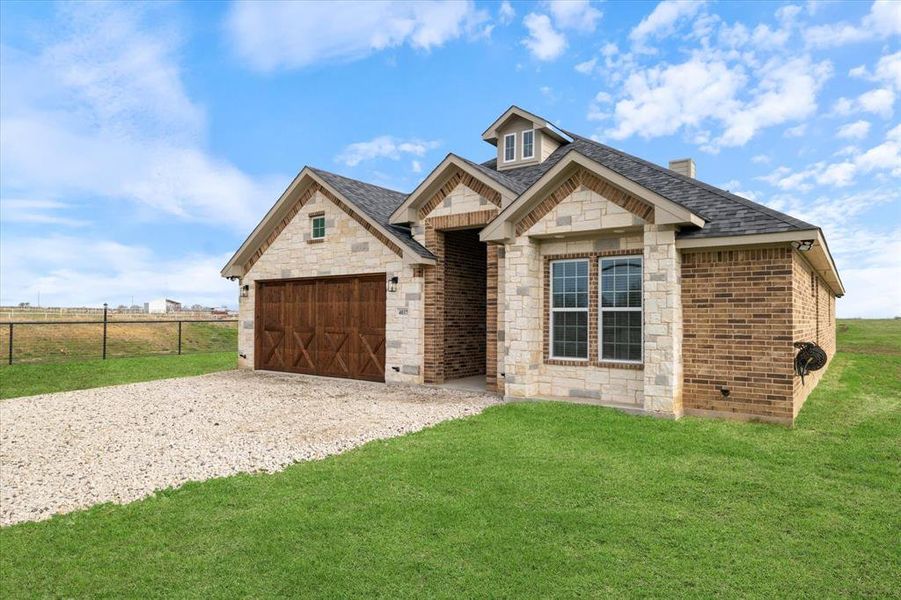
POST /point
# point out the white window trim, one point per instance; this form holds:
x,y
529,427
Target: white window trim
x,y
602,310
313,235
552,310
524,132
504,151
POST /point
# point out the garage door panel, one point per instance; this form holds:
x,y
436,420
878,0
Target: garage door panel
x,y
300,317
331,327
272,335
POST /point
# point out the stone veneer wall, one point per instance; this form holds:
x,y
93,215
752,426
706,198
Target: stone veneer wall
x,y
738,332
347,249
465,317
813,314
663,327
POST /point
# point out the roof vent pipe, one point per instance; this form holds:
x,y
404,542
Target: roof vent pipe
x,y
683,166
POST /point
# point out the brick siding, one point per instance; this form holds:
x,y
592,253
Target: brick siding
x,y
813,306
737,310
435,343
465,262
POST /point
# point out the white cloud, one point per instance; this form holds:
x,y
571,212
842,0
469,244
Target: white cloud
x,y
894,133
879,101
888,69
40,212
786,92
867,257
587,67
384,146
663,19
44,265
881,161
661,100
577,15
796,131
854,131
104,104
544,42
274,35
883,21
760,159
416,166
505,13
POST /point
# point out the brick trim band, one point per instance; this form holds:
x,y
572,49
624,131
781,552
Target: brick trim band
x,y
455,179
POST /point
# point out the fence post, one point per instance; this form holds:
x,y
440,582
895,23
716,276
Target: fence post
x,y
104,331
179,338
10,343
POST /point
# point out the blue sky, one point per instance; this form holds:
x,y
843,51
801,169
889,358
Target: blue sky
x,y
140,144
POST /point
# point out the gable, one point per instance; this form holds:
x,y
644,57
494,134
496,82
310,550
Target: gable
x,y
455,189
593,202
296,219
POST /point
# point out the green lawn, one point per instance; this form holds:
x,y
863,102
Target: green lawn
x,y
30,379
525,500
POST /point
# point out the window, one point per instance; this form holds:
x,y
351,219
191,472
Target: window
x,y
318,225
509,147
569,309
528,144
620,309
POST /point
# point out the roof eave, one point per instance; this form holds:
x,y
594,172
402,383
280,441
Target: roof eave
x,y
819,255
665,211
406,212
234,267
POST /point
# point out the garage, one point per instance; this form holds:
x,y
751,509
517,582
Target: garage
x,y
332,326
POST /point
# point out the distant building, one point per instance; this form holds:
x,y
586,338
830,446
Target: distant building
x,y
162,305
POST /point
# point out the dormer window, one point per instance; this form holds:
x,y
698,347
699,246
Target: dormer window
x,y
510,147
528,144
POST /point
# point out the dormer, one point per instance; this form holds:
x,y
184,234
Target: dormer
x,y
523,139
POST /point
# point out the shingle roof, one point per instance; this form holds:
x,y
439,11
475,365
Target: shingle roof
x,y
376,202
512,184
725,214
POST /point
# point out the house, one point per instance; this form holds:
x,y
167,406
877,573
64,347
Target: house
x,y
561,269
162,306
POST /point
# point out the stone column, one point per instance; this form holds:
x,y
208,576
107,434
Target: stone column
x,y
522,317
662,322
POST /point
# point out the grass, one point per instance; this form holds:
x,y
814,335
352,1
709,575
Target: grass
x,y
45,342
525,500
30,379
869,336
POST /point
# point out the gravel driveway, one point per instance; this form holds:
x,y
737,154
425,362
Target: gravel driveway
x,y
65,451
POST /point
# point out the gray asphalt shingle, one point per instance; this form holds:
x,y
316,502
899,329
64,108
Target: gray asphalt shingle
x,y
726,214
376,202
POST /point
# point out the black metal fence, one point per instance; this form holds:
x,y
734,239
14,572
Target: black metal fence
x,y
52,341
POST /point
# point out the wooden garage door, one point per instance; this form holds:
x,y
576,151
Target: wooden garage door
x,y
333,327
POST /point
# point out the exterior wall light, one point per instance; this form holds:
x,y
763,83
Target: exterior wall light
x,y
392,284
245,290
802,245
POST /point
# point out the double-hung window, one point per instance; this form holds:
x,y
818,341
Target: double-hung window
x,y
317,225
620,309
569,309
528,144
510,147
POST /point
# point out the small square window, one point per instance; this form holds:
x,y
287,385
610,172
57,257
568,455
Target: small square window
x,y
318,226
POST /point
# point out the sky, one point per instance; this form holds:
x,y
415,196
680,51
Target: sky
x,y
141,143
